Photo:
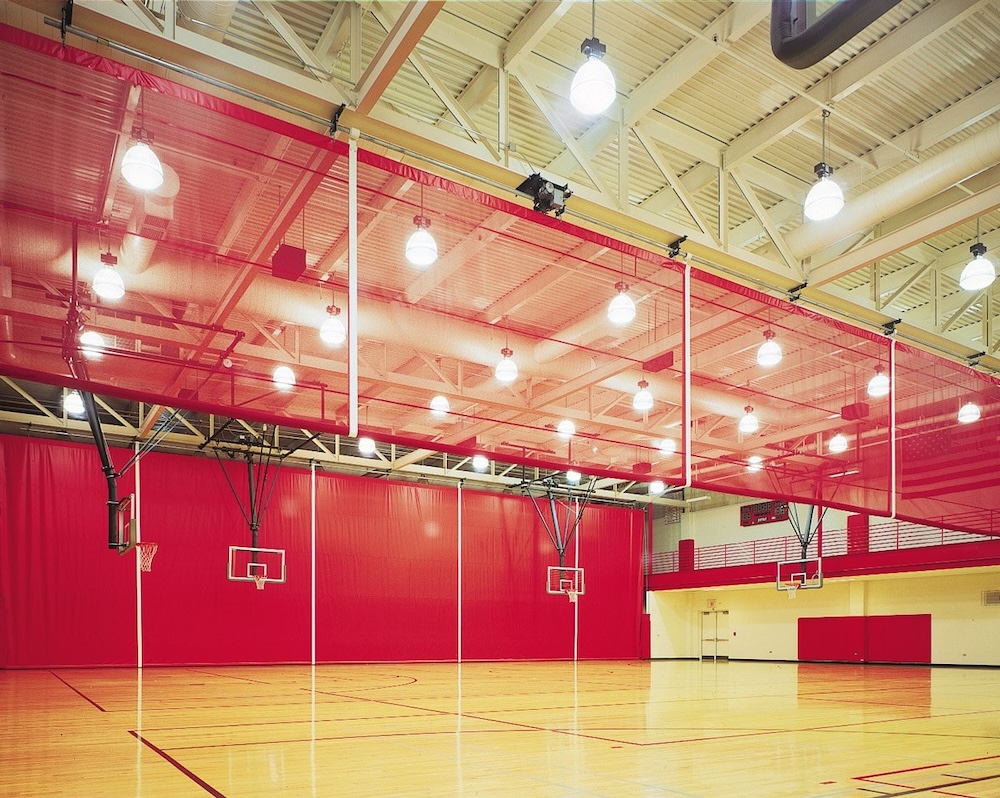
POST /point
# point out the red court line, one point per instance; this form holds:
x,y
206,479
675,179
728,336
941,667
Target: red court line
x,y
82,695
196,779
373,736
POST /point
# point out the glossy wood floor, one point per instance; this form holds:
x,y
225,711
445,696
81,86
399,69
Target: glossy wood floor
x,y
534,729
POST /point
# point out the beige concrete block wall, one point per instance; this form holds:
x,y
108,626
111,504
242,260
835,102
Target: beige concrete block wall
x,y
763,623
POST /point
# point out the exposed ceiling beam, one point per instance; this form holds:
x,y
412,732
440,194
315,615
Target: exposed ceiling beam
x,y
397,46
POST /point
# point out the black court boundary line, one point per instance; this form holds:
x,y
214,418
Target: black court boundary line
x,y
80,693
196,779
934,788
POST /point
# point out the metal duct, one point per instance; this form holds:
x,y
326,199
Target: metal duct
x,y
919,183
210,18
148,223
8,352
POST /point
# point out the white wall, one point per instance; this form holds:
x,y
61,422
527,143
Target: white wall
x,y
722,525
764,622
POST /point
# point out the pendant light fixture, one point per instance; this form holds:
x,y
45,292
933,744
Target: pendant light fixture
x,y
480,463
333,331
979,273
969,413
421,248
573,477
656,487
366,447
668,447
506,370
878,386
643,399
621,310
749,424
440,406
769,353
283,378
92,344
593,88
73,404
838,443
755,463
566,429
107,282
825,198
140,166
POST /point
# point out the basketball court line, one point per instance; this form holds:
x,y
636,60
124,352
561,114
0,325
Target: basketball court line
x,y
178,766
80,693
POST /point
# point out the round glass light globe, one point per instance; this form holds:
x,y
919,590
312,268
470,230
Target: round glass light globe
x,y
749,424
656,487
366,446
621,309
333,331
73,404
566,429
141,168
573,477
108,284
643,400
440,406
978,274
283,378
480,462
878,386
668,446
421,248
92,343
506,370
593,88
824,200
769,353
838,443
969,413
755,463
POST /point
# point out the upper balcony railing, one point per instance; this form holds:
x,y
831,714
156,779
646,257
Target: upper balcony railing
x,y
887,536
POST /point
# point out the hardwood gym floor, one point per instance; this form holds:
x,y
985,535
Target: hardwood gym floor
x,y
503,729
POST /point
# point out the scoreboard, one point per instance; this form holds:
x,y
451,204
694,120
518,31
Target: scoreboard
x,y
763,513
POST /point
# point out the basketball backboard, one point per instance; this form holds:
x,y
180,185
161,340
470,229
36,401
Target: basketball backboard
x,y
249,564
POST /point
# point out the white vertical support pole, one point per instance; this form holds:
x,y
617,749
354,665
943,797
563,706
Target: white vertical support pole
x,y
503,115
312,563
893,487
138,571
686,410
352,284
576,604
460,573
623,174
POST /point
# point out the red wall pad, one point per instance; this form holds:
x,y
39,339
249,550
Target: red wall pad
x,y
875,638
899,638
832,639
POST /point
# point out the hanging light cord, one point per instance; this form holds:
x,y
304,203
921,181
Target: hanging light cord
x,y
593,19
826,115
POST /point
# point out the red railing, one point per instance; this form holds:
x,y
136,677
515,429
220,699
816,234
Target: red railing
x,y
887,536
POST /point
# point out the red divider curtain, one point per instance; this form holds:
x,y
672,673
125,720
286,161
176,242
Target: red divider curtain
x,y
387,569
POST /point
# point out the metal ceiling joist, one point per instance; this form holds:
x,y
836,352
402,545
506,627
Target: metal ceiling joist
x,y
932,21
397,46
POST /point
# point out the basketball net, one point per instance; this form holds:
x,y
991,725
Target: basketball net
x,y
259,579
572,596
146,553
